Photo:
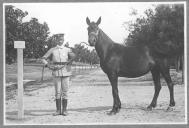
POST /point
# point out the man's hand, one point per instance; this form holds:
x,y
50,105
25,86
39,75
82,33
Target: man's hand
x,y
54,67
51,67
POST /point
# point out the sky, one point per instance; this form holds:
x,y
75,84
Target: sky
x,y
70,18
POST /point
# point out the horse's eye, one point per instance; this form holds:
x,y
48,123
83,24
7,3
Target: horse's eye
x,y
89,29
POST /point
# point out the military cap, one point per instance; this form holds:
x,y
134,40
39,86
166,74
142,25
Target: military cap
x,y
57,36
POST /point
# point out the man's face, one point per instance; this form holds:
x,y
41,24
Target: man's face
x,y
60,41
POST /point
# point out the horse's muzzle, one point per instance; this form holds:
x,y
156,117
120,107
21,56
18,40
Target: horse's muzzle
x,y
92,42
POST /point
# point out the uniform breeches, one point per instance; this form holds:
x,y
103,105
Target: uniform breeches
x,y
61,87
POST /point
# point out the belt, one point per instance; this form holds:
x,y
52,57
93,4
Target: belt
x,y
60,63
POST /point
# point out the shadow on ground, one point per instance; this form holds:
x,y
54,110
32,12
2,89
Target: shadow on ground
x,y
29,114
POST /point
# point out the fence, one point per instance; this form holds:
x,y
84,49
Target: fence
x,y
76,68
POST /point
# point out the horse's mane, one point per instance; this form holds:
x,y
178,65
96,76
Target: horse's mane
x,y
106,36
122,45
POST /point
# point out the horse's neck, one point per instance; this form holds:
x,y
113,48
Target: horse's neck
x,y
103,44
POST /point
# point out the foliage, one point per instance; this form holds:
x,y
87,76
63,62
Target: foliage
x,y
35,34
85,55
36,37
162,30
13,22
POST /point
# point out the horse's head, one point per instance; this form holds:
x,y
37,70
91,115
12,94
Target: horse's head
x,y
93,31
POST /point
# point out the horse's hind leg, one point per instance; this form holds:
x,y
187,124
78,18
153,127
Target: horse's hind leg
x,y
166,74
157,86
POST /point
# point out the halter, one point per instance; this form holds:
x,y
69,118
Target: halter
x,y
94,34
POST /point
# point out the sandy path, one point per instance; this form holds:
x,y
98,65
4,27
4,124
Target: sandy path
x,y
89,103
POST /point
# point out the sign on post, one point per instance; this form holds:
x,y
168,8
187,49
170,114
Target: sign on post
x,y
20,45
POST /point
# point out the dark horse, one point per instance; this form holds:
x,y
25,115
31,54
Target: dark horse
x,y
117,60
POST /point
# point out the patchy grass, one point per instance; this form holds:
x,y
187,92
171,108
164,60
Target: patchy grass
x,y
90,104
34,73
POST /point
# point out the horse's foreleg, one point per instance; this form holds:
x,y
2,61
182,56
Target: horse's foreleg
x,y
157,86
116,100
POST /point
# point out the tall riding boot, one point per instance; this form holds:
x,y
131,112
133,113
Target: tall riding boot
x,y
58,107
64,107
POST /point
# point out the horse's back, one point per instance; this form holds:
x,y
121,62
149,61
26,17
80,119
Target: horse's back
x,y
130,61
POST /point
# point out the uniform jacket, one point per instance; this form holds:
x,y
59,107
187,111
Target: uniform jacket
x,y
56,55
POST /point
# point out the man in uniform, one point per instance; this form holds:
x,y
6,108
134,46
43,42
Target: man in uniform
x,y
59,57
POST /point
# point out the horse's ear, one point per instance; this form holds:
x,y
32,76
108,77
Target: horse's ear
x,y
99,21
88,21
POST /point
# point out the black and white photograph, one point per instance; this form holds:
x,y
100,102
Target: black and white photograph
x,y
95,63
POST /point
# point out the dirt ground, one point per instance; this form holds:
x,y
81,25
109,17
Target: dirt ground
x,y
90,99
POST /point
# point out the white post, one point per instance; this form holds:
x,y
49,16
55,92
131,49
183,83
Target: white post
x,y
20,45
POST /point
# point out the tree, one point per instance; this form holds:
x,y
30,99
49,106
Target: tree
x,y
85,55
162,30
35,34
94,59
13,30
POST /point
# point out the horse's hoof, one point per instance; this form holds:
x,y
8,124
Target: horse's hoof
x,y
149,108
111,113
169,109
